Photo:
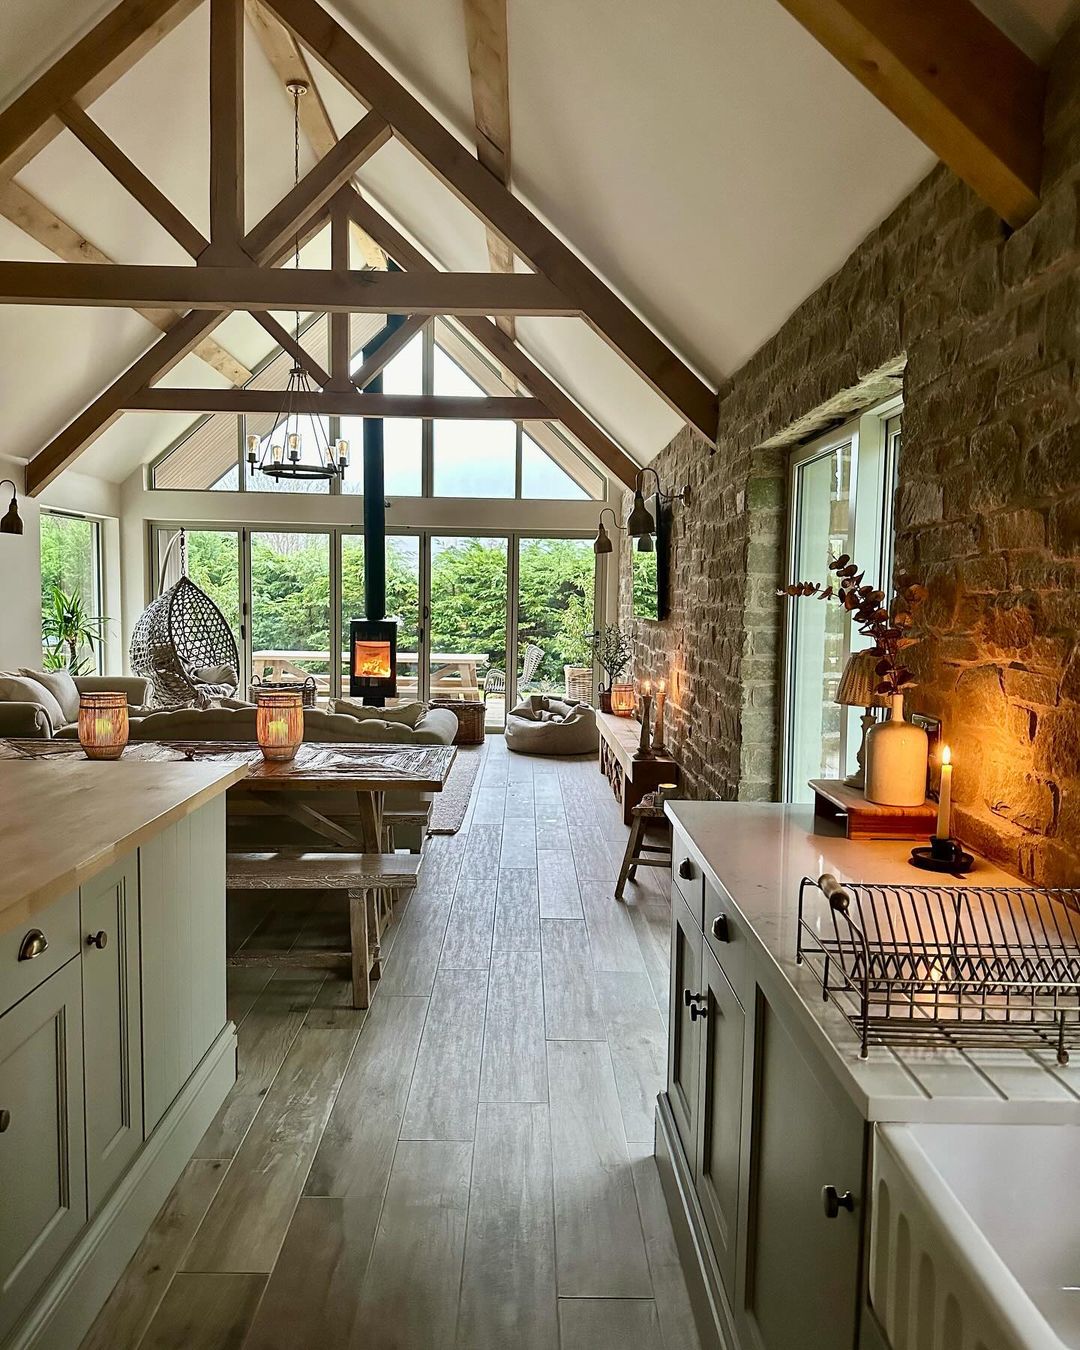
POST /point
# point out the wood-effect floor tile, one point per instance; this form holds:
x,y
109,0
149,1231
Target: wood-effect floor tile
x,y
599,1243
205,1312
673,1307
609,1324
411,966
518,844
514,1065
248,1218
612,939
572,1008
135,1299
558,883
481,856
637,1040
508,1284
446,1080
409,1298
467,941
591,856
517,911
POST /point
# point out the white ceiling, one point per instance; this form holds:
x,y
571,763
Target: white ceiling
x,y
706,157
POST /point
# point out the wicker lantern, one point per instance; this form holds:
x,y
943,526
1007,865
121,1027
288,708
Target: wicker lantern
x,y
279,723
623,700
103,725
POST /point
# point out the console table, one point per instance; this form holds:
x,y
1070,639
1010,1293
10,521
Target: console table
x,y
630,778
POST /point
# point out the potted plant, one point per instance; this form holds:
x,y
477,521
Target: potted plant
x,y
895,750
575,640
67,630
612,651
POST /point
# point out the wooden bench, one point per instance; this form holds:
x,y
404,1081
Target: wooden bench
x,y
630,778
420,817
370,880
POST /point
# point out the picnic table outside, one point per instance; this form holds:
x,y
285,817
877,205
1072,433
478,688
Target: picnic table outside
x,y
453,674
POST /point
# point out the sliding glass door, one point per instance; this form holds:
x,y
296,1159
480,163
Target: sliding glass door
x,y
556,595
290,606
402,603
467,631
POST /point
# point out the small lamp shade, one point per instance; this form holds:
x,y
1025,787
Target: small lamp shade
x,y
103,725
623,700
602,542
858,682
641,521
11,521
279,723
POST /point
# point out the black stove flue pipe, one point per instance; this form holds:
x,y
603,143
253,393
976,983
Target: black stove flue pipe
x,y
375,491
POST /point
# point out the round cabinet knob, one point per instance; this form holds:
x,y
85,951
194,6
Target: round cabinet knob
x,y
686,870
834,1202
33,944
5,1120
98,940
720,929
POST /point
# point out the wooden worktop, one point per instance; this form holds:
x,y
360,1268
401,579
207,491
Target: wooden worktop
x,y
63,820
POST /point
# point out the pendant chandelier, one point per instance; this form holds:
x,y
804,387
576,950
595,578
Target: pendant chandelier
x,y
285,454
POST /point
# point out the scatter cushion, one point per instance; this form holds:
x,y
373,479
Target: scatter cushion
x,y
62,687
406,713
21,689
219,675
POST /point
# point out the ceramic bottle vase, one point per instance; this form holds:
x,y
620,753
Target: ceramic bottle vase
x,y
896,754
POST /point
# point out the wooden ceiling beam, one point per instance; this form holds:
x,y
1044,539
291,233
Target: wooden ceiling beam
x,y
444,154
288,343
290,63
320,183
276,288
35,219
489,73
509,355
952,78
338,403
183,337
84,72
132,179
226,127
340,355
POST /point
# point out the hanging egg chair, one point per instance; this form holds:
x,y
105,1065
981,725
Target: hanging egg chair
x,y
183,644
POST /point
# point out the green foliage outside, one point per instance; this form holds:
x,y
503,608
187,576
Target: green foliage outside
x,y
644,577
71,629
291,593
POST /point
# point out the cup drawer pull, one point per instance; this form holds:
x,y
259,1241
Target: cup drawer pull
x,y
33,944
686,870
720,930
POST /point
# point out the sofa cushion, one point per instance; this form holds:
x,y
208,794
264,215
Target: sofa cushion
x,y
62,687
407,713
436,727
22,689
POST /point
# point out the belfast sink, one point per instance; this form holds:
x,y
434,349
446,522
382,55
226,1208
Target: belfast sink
x,y
975,1236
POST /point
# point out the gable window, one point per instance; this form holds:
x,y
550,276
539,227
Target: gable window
x,y
840,499
424,457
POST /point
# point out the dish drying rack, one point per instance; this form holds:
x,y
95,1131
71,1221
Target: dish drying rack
x,y
974,966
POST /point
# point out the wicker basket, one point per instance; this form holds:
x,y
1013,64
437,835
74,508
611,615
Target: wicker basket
x,y
470,718
306,687
578,682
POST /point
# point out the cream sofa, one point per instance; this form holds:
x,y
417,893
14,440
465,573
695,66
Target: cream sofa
x,y
35,712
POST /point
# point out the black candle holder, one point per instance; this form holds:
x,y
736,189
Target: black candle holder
x,y
942,855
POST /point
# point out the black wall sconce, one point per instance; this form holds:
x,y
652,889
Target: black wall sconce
x,y
11,521
640,524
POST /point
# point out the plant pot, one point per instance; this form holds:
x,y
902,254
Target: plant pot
x,y
605,700
896,753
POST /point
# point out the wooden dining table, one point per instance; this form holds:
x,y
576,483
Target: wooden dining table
x,y
291,788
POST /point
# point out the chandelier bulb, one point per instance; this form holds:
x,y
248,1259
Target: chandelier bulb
x,y
275,453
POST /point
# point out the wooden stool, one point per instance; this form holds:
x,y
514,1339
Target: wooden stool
x,y
637,848
390,818
369,879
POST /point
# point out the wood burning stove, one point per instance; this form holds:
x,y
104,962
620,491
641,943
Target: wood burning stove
x,y
373,660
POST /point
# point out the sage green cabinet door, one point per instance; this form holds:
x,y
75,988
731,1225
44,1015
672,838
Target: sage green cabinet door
x,y
42,1157
720,1100
802,1273
684,1036
112,1038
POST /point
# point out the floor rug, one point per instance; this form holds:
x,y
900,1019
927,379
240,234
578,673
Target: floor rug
x,y
449,805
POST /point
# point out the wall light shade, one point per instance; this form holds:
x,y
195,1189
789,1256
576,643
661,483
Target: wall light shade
x,y
11,521
279,723
103,725
602,542
641,521
646,544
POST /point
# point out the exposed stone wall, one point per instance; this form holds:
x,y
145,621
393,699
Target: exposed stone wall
x,y
987,514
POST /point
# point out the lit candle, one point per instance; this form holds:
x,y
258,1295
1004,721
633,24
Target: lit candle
x,y
658,729
944,805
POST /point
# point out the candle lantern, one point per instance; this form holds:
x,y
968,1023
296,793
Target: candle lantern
x,y
103,725
279,723
622,700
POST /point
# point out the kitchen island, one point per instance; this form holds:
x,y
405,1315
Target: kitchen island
x,y
767,1134
115,1048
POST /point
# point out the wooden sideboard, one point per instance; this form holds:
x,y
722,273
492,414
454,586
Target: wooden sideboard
x,y
630,778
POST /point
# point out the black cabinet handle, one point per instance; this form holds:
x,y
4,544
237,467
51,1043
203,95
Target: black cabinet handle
x,y
5,1120
720,929
696,1011
686,870
834,1202
696,1004
98,940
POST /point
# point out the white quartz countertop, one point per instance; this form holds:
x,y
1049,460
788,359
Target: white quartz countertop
x,y
756,854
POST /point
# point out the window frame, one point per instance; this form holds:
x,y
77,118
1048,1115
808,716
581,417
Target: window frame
x,y
874,436
97,574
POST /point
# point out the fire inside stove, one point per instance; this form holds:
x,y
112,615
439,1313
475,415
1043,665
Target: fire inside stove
x,y
373,662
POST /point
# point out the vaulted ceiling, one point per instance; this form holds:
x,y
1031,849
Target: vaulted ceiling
x,y
708,159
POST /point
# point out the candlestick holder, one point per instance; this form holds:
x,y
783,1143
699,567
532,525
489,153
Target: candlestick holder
x,y
643,751
942,855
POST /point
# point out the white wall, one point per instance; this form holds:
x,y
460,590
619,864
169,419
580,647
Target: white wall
x,y
20,563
